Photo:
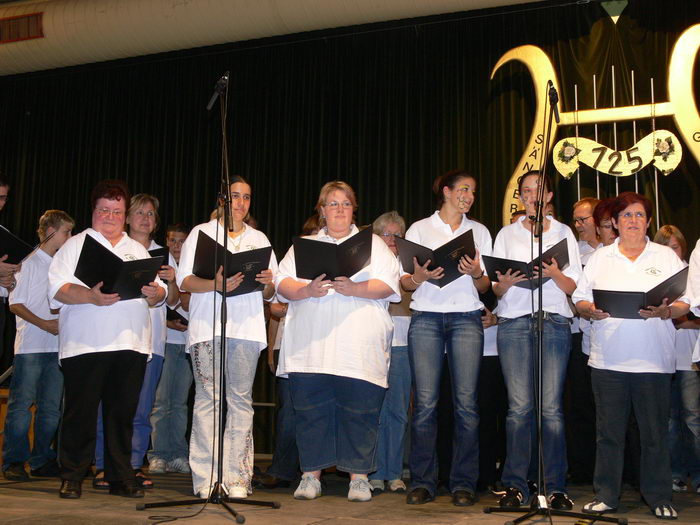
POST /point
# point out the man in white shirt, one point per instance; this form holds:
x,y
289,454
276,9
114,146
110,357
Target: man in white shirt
x,y
36,379
588,240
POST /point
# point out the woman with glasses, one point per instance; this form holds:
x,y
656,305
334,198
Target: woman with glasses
x,y
446,320
632,360
103,346
142,222
245,338
394,414
517,343
603,223
335,350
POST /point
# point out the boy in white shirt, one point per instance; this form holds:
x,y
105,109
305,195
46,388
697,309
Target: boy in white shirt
x,y
37,378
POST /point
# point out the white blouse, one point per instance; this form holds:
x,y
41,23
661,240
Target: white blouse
x,y
630,345
245,316
86,328
336,334
514,242
461,294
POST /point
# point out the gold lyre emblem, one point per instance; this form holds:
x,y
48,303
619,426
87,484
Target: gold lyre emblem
x,y
681,106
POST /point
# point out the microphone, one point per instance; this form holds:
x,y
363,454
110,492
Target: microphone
x,y
219,89
554,100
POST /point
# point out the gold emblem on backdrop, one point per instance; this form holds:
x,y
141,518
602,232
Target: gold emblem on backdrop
x,y
681,106
662,148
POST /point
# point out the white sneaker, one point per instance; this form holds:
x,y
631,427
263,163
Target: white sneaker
x,y
156,466
238,492
396,485
679,486
360,490
377,485
180,465
309,488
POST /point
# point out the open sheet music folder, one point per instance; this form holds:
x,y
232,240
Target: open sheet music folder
x,y
446,256
626,305
313,258
15,248
96,263
560,252
209,256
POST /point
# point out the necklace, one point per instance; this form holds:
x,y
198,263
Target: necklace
x,y
237,240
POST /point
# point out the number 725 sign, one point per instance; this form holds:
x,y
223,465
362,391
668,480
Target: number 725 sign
x,y
662,148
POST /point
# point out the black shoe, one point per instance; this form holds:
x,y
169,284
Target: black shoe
x,y
532,487
16,472
119,488
70,489
419,496
560,501
463,498
263,480
47,470
512,498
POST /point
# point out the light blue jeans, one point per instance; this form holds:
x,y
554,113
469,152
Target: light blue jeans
x,y
393,417
240,363
517,340
684,426
38,379
169,415
430,336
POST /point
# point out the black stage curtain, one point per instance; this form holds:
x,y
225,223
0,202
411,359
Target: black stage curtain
x,y
385,107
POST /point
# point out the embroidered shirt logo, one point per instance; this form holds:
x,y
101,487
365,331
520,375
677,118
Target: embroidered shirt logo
x,y
653,271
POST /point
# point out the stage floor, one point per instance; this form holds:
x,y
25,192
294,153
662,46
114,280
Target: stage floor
x,y
37,502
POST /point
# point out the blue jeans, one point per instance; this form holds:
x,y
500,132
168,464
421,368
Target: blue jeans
x,y
142,425
36,379
285,461
616,393
393,417
684,426
430,336
517,348
169,416
337,419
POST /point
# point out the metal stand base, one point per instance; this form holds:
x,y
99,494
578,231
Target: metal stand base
x,y
539,508
218,497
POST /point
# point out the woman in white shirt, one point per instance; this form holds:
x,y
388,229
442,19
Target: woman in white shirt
x,y
632,360
103,346
245,338
335,349
446,320
517,320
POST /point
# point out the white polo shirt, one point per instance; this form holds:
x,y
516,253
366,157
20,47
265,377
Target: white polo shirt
x,y
245,317
461,294
158,326
336,334
585,251
32,292
630,345
86,328
513,242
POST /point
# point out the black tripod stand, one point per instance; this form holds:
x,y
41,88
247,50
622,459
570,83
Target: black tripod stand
x,y
218,495
540,505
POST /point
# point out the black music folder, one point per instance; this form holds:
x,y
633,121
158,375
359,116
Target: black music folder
x,y
560,252
447,256
160,252
15,248
314,258
97,263
626,305
174,315
249,263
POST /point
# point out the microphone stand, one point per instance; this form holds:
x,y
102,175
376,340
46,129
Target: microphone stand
x,y
540,505
218,494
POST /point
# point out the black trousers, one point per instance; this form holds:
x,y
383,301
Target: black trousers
x,y
115,378
493,408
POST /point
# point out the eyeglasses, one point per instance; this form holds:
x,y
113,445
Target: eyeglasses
x,y
334,205
629,215
106,212
140,213
389,235
606,226
581,220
